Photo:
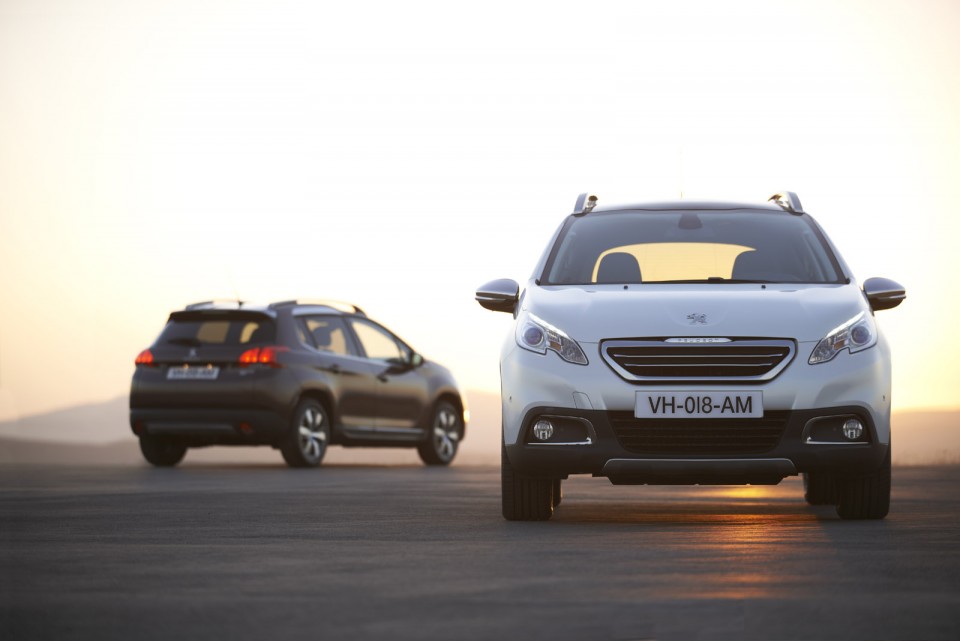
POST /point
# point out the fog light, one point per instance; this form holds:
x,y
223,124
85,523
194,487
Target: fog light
x,y
543,430
852,429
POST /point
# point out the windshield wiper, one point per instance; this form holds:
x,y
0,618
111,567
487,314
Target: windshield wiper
x,y
712,279
720,279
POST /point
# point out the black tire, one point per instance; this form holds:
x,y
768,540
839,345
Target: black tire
x,y
523,498
446,429
557,492
866,497
306,440
820,488
161,452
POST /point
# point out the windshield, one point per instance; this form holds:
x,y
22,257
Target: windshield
x,y
690,246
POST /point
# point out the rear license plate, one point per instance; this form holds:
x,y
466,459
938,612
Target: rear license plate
x,y
699,404
188,373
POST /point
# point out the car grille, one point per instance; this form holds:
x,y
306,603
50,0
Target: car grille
x,y
698,436
663,361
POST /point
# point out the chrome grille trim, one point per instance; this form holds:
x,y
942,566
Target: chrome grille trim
x,y
659,361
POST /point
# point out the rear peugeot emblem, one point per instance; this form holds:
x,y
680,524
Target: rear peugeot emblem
x,y
192,353
697,319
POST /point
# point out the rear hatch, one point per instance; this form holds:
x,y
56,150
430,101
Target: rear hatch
x,y
205,358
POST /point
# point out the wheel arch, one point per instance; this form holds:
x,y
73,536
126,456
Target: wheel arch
x,y
325,398
456,400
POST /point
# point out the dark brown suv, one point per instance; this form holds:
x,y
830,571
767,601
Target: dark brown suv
x,y
297,376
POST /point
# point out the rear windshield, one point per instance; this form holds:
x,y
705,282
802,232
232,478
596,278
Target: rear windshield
x,y
690,246
218,330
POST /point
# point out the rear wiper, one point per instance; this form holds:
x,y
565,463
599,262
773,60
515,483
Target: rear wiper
x,y
184,340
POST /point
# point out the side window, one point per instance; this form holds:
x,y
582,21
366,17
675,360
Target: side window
x,y
378,343
328,334
254,332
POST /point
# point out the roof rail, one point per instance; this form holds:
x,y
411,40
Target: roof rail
x,y
214,304
335,304
788,200
585,204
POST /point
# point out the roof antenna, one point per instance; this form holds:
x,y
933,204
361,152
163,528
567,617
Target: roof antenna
x,y
233,286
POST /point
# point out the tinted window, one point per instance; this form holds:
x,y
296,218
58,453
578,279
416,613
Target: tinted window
x,y
218,331
378,343
327,334
684,246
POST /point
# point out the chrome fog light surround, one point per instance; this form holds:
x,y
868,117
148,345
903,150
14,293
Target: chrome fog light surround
x,y
841,429
560,430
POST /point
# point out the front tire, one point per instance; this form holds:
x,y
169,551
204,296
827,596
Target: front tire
x,y
444,438
866,497
161,452
524,498
306,440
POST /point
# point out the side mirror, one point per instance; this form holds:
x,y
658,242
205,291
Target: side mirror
x,y
499,295
883,293
416,360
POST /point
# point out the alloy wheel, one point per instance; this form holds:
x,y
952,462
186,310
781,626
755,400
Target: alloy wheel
x,y
446,434
313,434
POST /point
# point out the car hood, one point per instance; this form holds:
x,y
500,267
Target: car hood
x,y
594,313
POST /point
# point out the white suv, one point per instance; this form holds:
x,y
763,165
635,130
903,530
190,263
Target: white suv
x,y
695,343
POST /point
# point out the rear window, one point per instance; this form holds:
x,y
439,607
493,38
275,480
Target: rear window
x,y
218,330
690,246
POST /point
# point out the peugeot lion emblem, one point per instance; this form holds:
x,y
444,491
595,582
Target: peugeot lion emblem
x,y
192,353
697,319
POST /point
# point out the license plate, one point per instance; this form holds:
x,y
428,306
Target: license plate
x,y
699,404
188,373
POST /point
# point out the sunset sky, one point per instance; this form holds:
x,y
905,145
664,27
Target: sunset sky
x,y
398,155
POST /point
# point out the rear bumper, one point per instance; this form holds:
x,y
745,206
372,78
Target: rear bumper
x,y
242,407
604,453
198,427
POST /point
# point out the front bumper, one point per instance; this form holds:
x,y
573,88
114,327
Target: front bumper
x,y
606,455
534,385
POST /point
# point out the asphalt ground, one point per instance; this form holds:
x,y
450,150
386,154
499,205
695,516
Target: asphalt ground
x,y
407,552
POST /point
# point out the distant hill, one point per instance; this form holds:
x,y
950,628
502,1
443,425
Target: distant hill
x,y
98,434
93,423
926,437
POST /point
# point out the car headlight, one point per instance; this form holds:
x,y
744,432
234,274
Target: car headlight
x,y
856,334
537,335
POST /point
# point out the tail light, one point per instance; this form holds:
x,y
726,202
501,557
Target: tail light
x,y
262,356
145,358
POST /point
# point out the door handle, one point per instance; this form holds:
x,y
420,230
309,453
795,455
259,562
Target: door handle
x,y
335,369
383,378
